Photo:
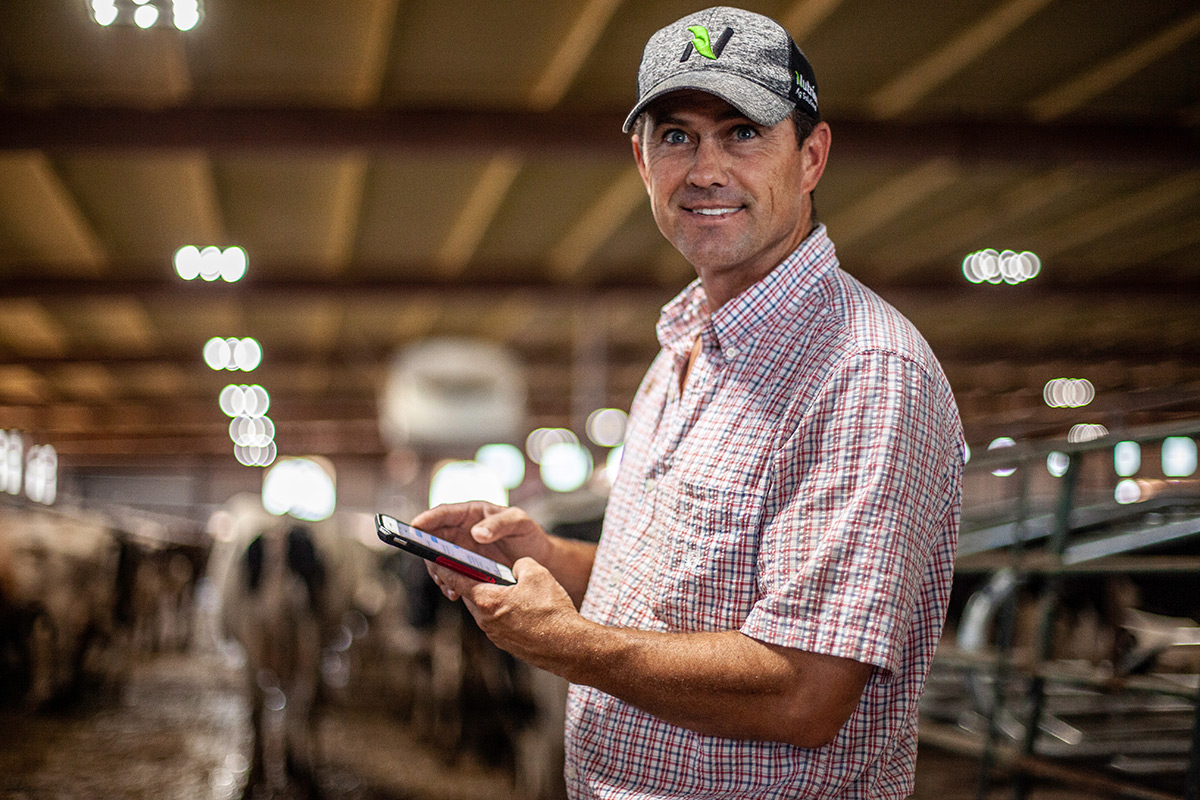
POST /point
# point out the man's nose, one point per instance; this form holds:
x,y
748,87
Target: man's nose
x,y
710,164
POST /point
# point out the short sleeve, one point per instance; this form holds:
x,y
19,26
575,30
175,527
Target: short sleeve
x,y
862,492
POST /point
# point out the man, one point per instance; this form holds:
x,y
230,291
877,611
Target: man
x,y
759,615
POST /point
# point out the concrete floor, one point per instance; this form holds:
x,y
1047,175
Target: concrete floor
x,y
178,730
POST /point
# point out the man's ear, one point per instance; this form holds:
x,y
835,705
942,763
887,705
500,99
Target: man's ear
x,y
815,153
640,158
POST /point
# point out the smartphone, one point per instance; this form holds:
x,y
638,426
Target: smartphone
x,y
440,551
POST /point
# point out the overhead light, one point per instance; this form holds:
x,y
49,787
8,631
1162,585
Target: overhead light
x,y
12,461
41,474
210,263
183,15
104,12
242,400
233,354
1068,392
994,266
145,15
1086,432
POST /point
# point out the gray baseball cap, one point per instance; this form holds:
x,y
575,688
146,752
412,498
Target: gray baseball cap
x,y
746,59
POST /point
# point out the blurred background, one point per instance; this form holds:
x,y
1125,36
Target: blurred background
x,y
267,268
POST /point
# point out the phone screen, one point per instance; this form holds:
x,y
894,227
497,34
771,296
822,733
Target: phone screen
x,y
440,551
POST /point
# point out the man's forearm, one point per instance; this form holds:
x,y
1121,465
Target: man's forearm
x,y
721,684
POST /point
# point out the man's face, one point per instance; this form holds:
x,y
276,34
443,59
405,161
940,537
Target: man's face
x,y
730,194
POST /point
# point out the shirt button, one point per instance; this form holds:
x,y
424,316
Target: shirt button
x,y
732,352
649,485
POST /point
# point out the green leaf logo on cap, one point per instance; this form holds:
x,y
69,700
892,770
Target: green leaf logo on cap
x,y
701,40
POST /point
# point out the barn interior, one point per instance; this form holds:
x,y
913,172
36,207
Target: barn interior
x,y
336,249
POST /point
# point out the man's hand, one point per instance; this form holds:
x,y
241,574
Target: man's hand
x,y
507,535
502,534
535,619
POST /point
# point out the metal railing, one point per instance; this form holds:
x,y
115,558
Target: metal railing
x,y
1044,539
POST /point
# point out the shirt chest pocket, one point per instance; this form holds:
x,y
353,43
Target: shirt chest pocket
x,y
708,535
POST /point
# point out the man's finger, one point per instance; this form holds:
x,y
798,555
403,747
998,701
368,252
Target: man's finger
x,y
499,523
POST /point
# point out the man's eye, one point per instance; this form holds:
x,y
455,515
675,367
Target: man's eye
x,y
744,132
675,137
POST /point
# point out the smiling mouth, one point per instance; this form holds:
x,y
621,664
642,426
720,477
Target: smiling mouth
x,y
714,212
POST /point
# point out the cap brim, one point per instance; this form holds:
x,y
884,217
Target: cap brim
x,y
757,102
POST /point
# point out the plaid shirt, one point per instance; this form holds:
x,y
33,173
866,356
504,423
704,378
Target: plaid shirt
x,y
803,489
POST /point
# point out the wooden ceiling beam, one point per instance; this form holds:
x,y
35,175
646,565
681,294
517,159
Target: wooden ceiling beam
x,y
890,200
1077,91
36,201
804,16
348,369
906,89
32,281
587,134
1122,212
593,228
496,180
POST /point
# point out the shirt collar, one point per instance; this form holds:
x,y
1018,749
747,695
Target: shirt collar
x,y
784,288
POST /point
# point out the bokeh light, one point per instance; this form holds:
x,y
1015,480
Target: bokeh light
x,y
994,266
242,400
997,444
1127,491
300,487
506,460
612,463
233,354
104,12
145,15
210,263
566,466
1127,458
41,474
12,461
606,426
1178,457
1068,392
184,15
541,439
463,481
1086,432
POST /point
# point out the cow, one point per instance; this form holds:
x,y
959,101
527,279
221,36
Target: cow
x,y
285,587
59,593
